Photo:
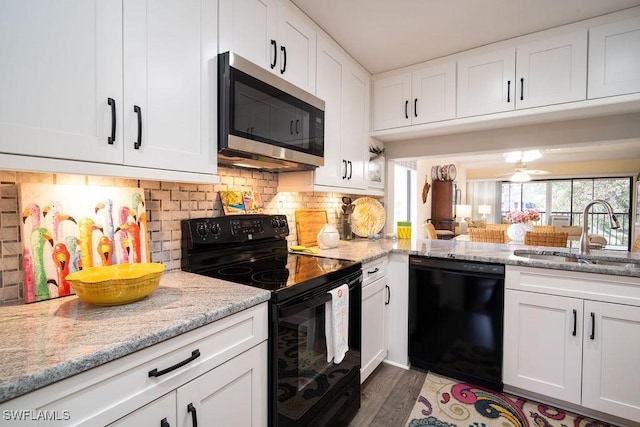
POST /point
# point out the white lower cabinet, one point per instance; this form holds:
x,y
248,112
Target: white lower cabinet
x,y
397,325
574,337
375,296
219,370
231,394
161,412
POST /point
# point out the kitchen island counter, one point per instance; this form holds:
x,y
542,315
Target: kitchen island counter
x,y
367,250
48,341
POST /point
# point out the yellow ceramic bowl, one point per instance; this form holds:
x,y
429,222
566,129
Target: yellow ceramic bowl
x,y
116,284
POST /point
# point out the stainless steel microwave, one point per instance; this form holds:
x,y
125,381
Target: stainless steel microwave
x,y
264,121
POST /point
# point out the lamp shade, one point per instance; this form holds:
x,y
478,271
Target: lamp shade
x,y
484,209
463,211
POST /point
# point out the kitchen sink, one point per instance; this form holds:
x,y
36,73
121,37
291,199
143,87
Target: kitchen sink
x,y
578,259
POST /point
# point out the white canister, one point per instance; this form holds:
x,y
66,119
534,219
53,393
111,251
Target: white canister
x,y
328,237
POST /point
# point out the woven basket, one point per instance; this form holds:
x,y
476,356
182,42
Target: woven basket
x,y
558,240
486,235
544,229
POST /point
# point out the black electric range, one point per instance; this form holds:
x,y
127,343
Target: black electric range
x,y
252,250
304,387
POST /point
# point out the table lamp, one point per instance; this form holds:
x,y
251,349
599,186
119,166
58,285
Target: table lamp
x,y
484,210
462,212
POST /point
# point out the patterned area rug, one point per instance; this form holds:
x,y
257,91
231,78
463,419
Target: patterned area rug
x,y
443,402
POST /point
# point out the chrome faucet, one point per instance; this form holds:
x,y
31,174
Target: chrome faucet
x,y
584,237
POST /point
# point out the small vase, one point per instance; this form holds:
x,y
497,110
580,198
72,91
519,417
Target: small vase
x,y
516,231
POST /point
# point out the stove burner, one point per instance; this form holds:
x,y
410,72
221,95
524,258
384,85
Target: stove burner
x,y
271,276
236,270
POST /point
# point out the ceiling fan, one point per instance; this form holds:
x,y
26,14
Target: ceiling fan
x,y
522,173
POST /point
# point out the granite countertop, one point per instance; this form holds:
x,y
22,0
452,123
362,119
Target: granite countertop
x,y
48,341
366,250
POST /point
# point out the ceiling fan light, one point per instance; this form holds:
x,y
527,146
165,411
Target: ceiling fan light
x,y
530,155
520,176
513,157
522,156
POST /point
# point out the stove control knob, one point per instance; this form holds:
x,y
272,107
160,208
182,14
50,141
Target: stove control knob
x,y
282,222
201,229
275,222
215,228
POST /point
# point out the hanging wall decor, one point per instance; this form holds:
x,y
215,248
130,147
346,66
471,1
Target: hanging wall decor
x,y
66,228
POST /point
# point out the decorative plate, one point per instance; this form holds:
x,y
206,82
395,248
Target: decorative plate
x,y
452,172
434,173
368,217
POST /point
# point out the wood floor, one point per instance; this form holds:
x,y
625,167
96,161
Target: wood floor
x,y
388,396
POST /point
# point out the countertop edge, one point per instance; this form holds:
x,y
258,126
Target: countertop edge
x,y
63,370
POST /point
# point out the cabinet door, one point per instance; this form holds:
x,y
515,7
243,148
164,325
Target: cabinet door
x,y
543,344
434,93
233,394
355,110
374,348
61,62
391,102
330,64
247,28
486,83
614,63
552,71
611,347
169,105
397,325
153,414
297,48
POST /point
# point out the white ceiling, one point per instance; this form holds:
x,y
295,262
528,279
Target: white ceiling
x,y
384,35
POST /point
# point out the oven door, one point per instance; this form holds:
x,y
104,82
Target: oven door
x,y
306,389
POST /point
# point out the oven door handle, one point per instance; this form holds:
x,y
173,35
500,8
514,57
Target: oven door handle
x,y
312,302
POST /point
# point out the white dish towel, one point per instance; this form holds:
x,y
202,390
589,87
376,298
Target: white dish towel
x,y
337,323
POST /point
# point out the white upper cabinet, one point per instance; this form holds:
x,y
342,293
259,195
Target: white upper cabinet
x,y
345,90
422,96
296,53
545,72
62,63
391,101
614,62
169,104
94,82
552,70
246,27
486,83
433,91
272,34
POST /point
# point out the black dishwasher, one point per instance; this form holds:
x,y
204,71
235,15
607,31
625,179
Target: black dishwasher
x,y
455,319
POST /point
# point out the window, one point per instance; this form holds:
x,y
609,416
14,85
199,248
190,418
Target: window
x,y
404,188
568,197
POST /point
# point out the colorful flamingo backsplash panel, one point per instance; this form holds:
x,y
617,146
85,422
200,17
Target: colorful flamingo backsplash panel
x,y
66,228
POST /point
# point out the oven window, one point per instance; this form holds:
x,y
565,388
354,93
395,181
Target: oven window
x,y
304,375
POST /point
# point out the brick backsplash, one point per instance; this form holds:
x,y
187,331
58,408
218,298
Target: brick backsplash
x,y
166,204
